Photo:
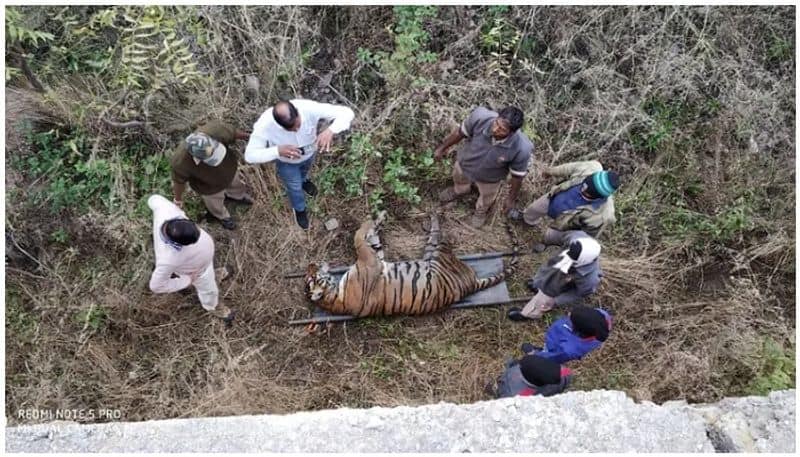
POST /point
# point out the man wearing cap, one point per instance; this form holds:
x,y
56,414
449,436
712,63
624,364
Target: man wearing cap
x,y
207,161
287,134
573,336
184,257
568,277
583,201
495,148
531,375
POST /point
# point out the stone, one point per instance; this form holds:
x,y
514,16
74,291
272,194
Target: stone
x,y
331,224
527,424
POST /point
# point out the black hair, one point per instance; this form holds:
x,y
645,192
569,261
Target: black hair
x,y
513,116
182,231
286,122
589,322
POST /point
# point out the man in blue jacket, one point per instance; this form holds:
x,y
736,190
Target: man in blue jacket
x,y
580,332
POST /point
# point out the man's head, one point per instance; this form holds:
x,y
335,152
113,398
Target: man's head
x,y
286,115
584,251
182,231
508,121
203,147
589,322
540,371
601,184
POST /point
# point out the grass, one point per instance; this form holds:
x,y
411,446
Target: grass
x,y
698,271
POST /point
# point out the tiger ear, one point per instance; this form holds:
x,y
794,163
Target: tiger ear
x,y
325,267
312,269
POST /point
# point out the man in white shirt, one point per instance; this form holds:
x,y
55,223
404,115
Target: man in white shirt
x,y
185,251
288,132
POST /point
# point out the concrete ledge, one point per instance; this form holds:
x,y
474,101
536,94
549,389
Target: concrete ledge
x,y
597,421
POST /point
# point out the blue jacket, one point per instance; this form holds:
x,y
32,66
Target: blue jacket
x,y
561,344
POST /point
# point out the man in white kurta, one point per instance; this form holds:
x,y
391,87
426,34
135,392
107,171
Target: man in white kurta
x,y
179,265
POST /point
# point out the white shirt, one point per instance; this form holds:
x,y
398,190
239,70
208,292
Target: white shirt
x,y
268,135
188,262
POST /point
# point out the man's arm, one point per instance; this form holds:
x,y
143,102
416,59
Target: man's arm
x,y
453,138
574,168
341,115
257,150
161,281
177,192
514,185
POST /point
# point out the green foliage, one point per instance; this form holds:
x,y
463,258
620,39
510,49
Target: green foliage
x,y
681,223
401,166
153,53
351,170
94,317
72,179
20,324
410,39
60,236
777,370
667,116
23,37
780,50
17,32
499,39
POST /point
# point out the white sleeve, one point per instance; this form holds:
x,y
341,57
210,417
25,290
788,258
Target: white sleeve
x,y
341,115
162,282
257,150
159,203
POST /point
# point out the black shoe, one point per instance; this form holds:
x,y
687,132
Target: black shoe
x,y
229,320
228,222
531,287
310,188
515,314
302,219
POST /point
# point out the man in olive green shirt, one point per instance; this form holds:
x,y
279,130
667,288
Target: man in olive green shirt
x,y
207,161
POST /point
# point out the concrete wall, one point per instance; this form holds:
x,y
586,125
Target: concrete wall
x,y
597,421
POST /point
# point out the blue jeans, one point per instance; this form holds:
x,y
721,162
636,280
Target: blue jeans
x,y
293,176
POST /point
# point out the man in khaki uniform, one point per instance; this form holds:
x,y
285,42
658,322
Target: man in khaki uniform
x,y
207,161
495,147
583,201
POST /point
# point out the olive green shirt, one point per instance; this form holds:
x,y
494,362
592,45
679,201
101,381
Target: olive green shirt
x,y
203,178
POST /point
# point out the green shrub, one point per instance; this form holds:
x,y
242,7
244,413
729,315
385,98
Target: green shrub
x,y
401,66
94,317
777,369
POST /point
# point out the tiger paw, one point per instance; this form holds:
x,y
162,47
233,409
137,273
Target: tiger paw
x,y
312,328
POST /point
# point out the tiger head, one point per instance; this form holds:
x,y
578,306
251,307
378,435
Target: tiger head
x,y
318,281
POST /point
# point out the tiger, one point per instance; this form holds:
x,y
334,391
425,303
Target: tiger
x,y
374,287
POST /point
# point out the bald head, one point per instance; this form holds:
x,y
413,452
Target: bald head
x,y
286,115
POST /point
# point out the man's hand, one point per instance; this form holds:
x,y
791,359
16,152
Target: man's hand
x,y
242,135
289,151
439,153
324,141
178,203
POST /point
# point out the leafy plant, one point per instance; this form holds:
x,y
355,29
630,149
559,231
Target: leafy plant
x,y
410,40
21,39
351,171
499,39
777,369
93,317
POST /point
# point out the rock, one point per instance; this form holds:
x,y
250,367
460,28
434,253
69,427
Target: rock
x,y
614,422
252,84
331,224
